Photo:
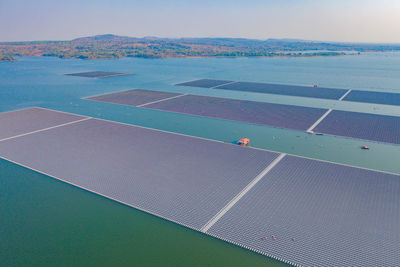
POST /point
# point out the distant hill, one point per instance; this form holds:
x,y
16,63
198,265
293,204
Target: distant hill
x,y
105,38
114,46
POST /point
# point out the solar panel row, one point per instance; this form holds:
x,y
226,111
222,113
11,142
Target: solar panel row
x,y
373,97
205,83
276,115
304,91
180,178
132,97
303,211
365,126
362,126
98,74
315,213
281,89
18,122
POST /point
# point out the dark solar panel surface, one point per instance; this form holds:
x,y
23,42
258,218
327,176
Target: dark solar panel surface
x,y
184,179
321,214
281,89
361,126
98,74
283,116
28,120
133,97
205,83
374,97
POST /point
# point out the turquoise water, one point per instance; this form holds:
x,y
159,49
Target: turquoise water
x,y
46,221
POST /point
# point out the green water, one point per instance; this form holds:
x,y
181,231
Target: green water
x,y
46,222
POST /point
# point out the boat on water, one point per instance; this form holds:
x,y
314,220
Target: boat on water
x,y
244,142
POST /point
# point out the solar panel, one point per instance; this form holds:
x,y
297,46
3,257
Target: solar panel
x,y
280,89
303,211
98,74
277,115
372,127
315,213
205,83
28,120
132,97
184,179
373,97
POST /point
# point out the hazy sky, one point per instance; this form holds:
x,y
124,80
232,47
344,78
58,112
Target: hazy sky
x,y
328,20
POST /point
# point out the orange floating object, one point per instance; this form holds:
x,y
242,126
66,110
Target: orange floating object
x,y
364,147
244,142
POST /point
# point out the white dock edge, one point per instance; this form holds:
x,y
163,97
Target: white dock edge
x,y
241,194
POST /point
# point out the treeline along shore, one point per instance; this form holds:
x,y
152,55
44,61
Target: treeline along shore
x,y
112,46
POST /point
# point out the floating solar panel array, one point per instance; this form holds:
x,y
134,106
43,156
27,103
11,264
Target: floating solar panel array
x,y
277,115
315,213
205,83
98,74
183,179
373,97
132,97
280,89
28,120
304,91
300,211
372,127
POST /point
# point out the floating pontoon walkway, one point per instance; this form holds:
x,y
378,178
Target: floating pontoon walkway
x,y
300,211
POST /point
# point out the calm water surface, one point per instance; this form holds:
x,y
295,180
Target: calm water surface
x,y
47,222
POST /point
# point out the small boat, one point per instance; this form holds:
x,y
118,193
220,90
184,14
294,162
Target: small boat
x,y
365,147
244,142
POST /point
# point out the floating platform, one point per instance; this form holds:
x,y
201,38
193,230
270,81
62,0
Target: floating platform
x,y
98,74
132,97
303,91
276,115
181,178
316,213
204,83
23,121
373,127
297,210
373,97
268,88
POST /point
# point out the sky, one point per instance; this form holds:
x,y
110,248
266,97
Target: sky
x,y
324,20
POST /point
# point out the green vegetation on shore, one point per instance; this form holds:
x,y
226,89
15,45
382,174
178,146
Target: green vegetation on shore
x,y
112,46
6,58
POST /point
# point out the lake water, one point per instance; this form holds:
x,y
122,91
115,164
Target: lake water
x,y
46,222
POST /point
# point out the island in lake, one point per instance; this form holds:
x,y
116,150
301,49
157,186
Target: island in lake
x,y
113,46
